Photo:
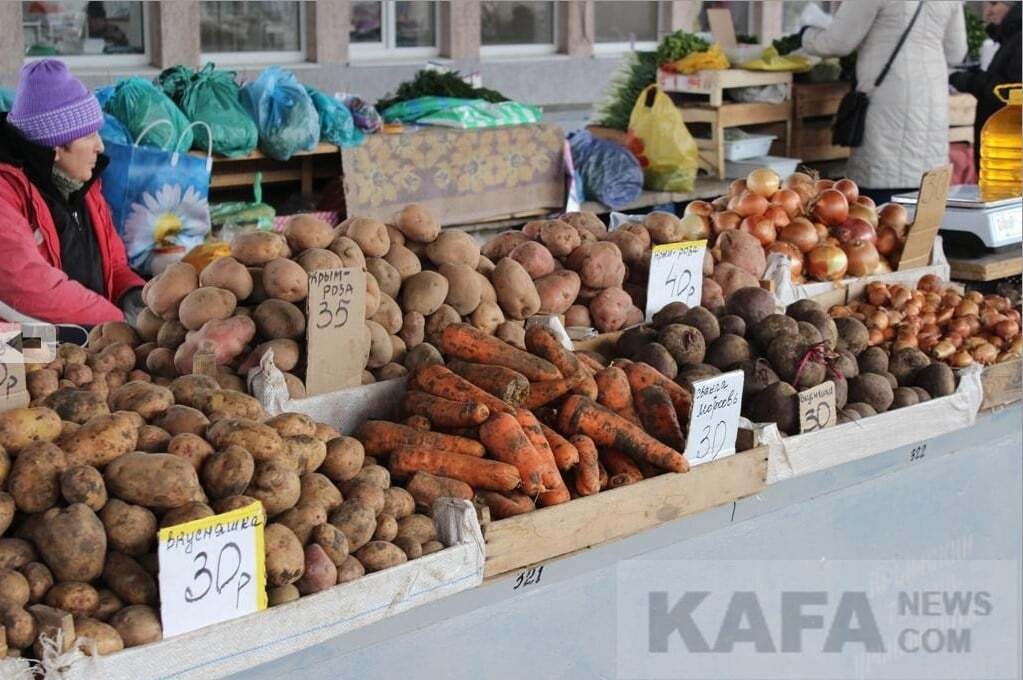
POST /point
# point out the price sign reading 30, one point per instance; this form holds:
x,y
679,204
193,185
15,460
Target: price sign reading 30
x,y
714,421
676,275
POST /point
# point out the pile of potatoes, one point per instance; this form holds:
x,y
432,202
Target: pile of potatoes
x,y
93,467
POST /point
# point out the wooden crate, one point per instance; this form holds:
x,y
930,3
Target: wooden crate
x,y
713,84
813,110
534,537
1003,384
813,100
811,141
989,267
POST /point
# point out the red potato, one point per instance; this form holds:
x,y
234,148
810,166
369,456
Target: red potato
x,y
227,338
610,309
503,244
599,265
557,291
534,258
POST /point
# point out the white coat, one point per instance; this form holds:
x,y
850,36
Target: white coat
x,y
906,131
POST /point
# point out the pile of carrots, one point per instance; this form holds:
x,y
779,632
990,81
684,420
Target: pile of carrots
x,y
520,429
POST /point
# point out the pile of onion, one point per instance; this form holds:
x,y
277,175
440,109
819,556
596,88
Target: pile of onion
x,y
957,328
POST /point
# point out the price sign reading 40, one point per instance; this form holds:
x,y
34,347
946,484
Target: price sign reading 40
x,y
212,570
676,275
714,420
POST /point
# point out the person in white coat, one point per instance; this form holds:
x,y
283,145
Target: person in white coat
x,y
906,128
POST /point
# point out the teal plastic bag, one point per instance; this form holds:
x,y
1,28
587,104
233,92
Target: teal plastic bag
x,y
285,115
6,98
336,123
138,104
211,96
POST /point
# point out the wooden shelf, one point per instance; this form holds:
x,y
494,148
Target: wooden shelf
x,y
714,83
988,267
235,173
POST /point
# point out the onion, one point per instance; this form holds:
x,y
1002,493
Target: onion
x,y
777,215
928,317
831,208
877,293
930,283
798,178
801,233
961,359
840,311
764,182
893,215
724,221
795,256
789,200
823,184
996,341
955,339
822,230
967,307
805,192
945,313
737,187
877,320
695,227
958,326
864,213
721,202
866,200
889,334
883,267
1013,315
900,296
875,336
1007,330
750,203
887,241
985,354
974,322
761,227
863,257
827,263
929,330
854,229
699,208
950,298
943,350
849,188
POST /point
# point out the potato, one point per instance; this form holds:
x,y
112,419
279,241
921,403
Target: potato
x,y
7,508
285,279
381,349
83,484
557,291
130,529
438,321
186,513
152,439
34,481
387,277
403,260
576,315
15,553
219,404
316,259
205,304
560,237
333,542
253,248
742,250
282,595
155,480
514,333
14,588
42,383
378,555
76,405
109,604
424,292
292,424
396,237
191,448
279,319
180,418
229,274
19,626
464,290
372,295
345,456
356,520
92,636
663,227
262,441
421,355
419,527
416,223
172,333
82,375
276,485
147,325
370,235
487,317
20,427
349,252
503,244
80,599
303,232
454,247
146,399
369,494
164,292
411,547
534,258
285,559
727,279
599,265
39,579
609,309
631,247
398,502
72,542
228,472
387,528
350,570
317,489
516,292
286,355
305,452
320,571
398,345
233,503
586,221
388,314
137,625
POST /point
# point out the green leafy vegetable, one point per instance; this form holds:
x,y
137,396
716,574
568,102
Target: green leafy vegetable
x,y
437,84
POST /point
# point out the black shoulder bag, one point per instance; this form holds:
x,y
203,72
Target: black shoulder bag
x,y
852,111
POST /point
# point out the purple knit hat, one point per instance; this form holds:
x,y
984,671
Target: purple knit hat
x,y
52,107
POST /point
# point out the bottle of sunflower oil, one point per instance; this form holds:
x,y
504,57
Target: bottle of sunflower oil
x,y
1001,160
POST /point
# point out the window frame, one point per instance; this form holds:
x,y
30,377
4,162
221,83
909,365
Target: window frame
x,y
386,48
624,46
104,61
261,57
526,49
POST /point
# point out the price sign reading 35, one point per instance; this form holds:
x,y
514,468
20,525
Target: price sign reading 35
x,y
714,421
676,275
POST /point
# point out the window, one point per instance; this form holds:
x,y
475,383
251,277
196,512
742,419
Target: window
x,y
234,32
626,25
379,28
517,27
102,32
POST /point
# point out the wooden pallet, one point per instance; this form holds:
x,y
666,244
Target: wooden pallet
x,y
987,267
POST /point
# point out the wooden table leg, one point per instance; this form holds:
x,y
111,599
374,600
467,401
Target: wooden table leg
x,y
307,175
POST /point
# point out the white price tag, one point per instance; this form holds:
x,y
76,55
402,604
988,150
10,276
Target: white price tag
x,y
13,390
552,323
676,275
212,570
714,420
817,407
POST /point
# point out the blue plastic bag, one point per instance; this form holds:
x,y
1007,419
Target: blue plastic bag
x,y
6,98
336,123
158,198
610,173
285,115
138,104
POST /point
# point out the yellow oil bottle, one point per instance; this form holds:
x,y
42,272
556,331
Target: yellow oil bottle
x,y
1001,139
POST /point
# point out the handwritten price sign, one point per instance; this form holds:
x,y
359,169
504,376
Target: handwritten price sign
x,y
817,407
714,421
212,570
13,391
335,329
676,275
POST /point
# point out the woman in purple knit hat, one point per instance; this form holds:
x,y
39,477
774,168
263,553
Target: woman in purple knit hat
x,y
61,260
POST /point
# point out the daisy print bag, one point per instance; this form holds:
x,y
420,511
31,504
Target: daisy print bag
x,y
158,198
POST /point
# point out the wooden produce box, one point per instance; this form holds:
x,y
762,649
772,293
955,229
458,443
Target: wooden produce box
x,y
714,83
1002,383
811,142
546,533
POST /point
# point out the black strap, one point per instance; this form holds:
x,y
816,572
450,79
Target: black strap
x,y
898,46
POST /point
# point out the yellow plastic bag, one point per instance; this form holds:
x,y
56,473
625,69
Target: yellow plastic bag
x,y
205,253
770,60
711,60
662,144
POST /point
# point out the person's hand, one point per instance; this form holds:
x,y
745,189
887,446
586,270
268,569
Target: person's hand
x,y
131,305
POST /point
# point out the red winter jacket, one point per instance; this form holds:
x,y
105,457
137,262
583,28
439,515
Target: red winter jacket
x,y
32,284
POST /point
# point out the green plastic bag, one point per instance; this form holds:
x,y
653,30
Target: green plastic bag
x,y
211,96
138,104
228,219
662,144
336,123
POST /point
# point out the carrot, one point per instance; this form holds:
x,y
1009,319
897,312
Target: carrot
x,y
462,341
534,433
565,455
508,504
648,470
587,474
421,423
441,382
479,473
602,475
613,390
544,344
556,497
379,437
618,464
608,430
445,412
506,442
541,393
472,433
659,417
426,488
644,375
588,361
504,383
